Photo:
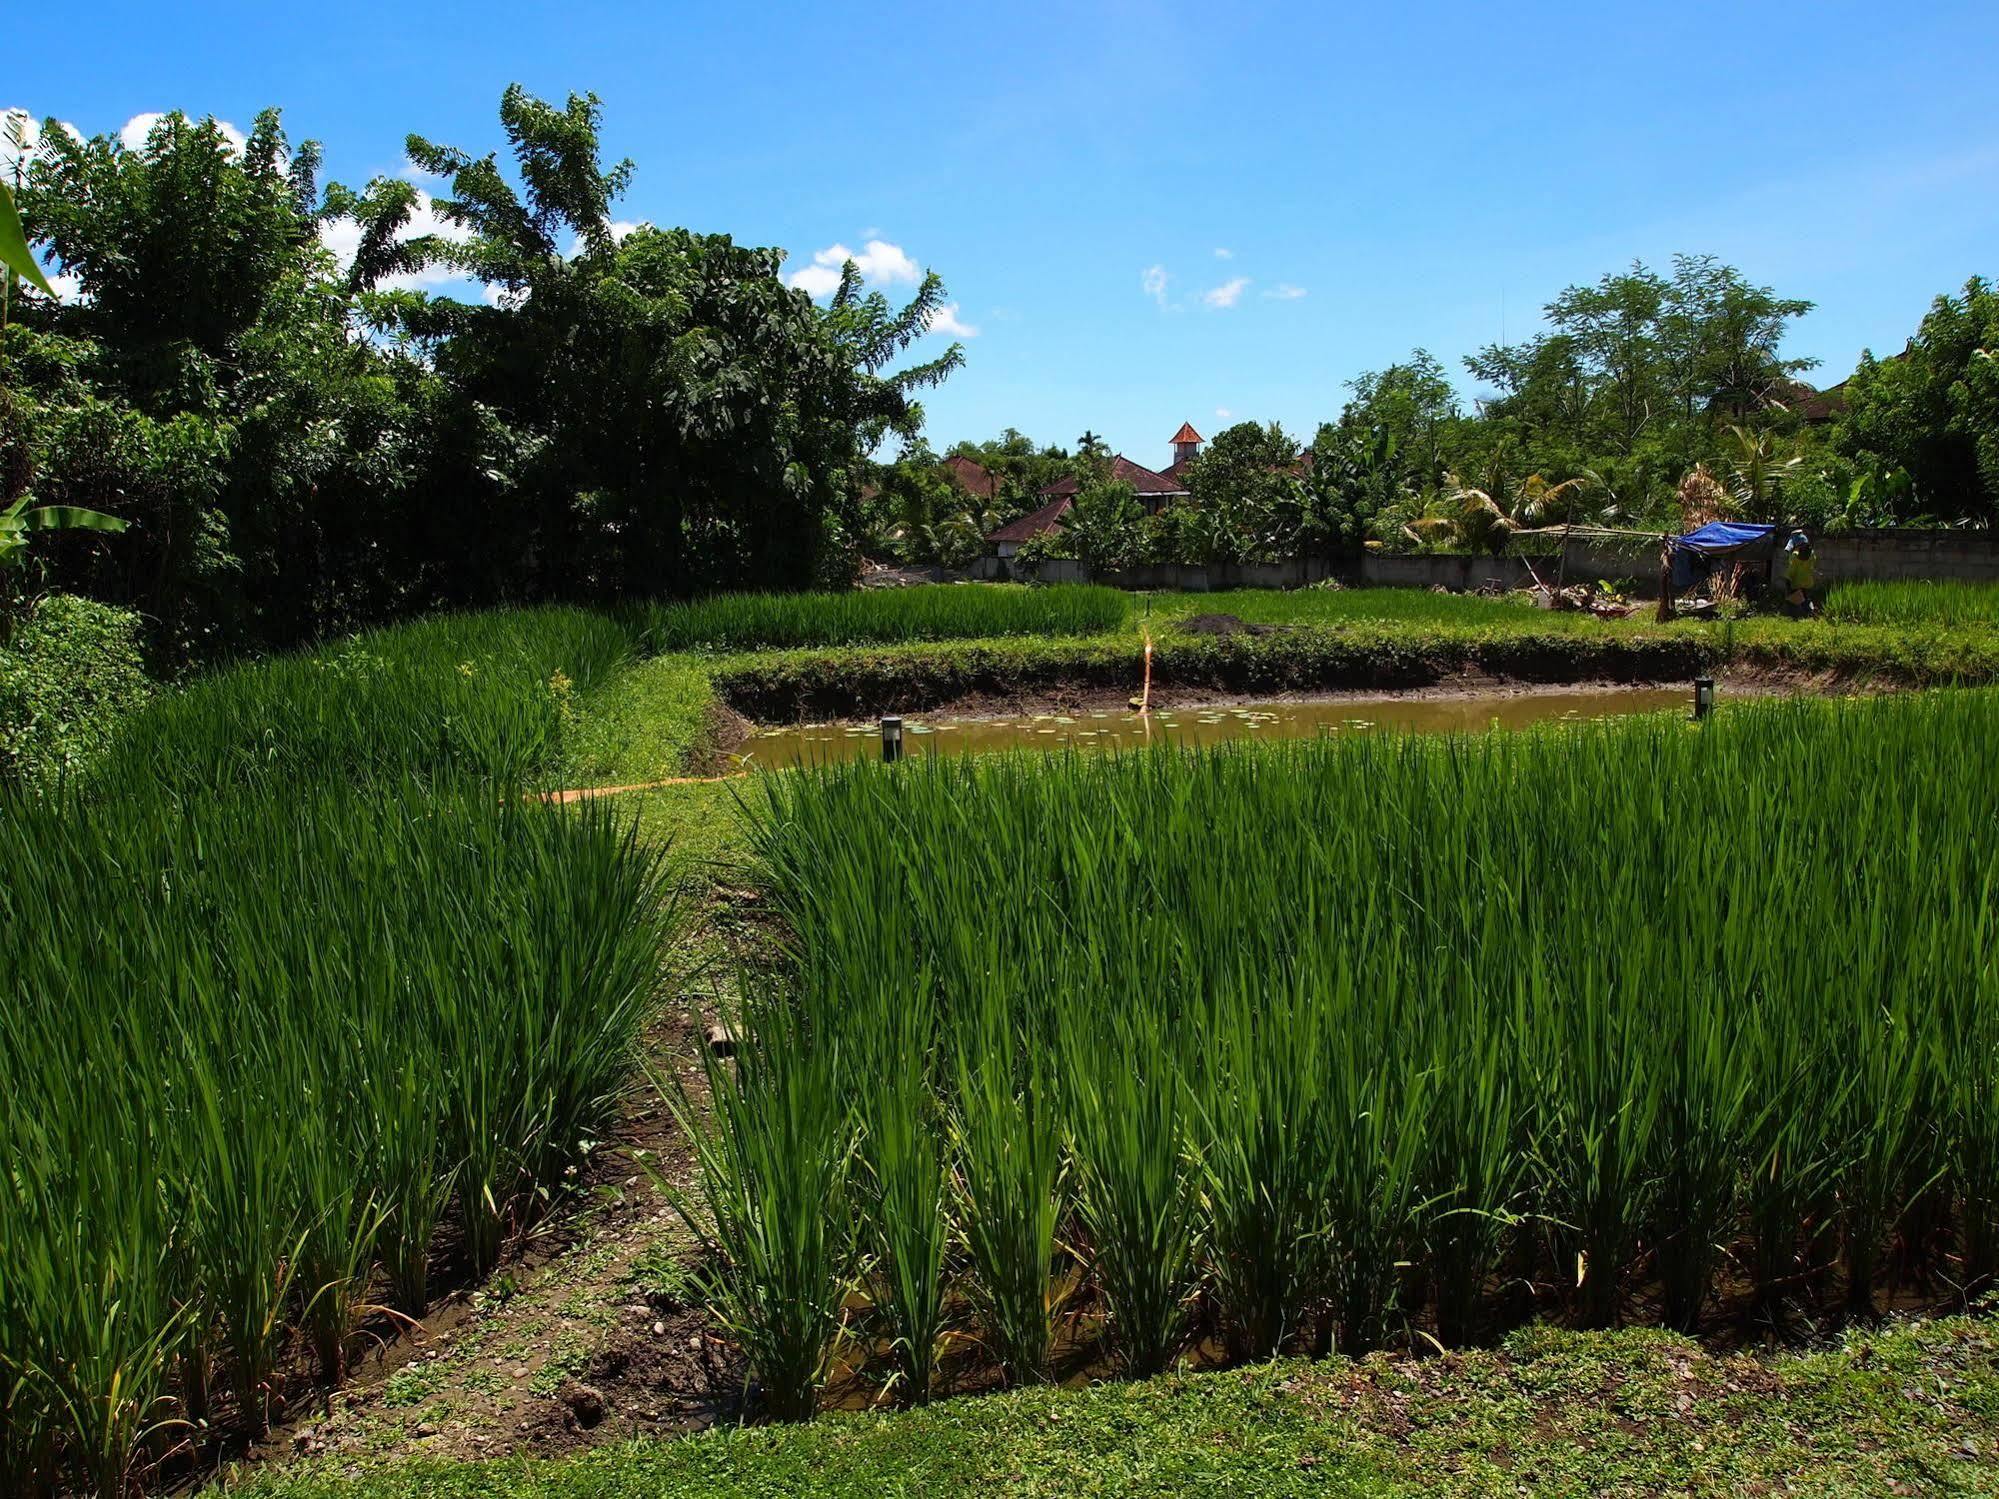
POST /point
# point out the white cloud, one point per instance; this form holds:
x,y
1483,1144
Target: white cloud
x,y
1227,294
1154,278
1223,412
878,261
945,320
1222,253
133,134
1284,291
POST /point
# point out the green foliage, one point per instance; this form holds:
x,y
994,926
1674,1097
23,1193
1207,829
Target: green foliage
x,y
651,415
71,674
491,695
1932,411
1239,489
741,622
1914,605
1661,1041
271,1037
1104,526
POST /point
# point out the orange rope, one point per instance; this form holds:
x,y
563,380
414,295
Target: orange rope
x,y
585,793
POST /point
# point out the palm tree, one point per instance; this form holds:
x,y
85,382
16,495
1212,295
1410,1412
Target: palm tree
x,y
1471,519
1756,475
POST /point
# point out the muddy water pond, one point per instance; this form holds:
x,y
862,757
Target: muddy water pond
x,y
814,744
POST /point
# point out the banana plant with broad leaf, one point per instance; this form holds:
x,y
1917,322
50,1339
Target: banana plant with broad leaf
x,y
20,519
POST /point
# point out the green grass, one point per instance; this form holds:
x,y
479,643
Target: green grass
x,y
1628,1414
489,694
646,723
1584,1003
740,622
1337,606
1919,605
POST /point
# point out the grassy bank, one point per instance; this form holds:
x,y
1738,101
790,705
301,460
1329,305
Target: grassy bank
x,y
1913,1410
756,621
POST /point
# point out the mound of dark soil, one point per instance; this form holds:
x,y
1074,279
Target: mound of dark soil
x,y
1225,624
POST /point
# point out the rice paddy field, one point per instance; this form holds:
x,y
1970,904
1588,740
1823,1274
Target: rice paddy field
x,y
1940,605
1048,1066
1301,1047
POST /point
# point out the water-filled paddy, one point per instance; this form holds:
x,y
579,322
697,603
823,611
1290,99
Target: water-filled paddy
x,y
812,744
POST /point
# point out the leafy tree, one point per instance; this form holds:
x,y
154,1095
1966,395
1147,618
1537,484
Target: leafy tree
x,y
1413,406
1355,477
1933,412
1241,495
677,417
1638,375
1104,525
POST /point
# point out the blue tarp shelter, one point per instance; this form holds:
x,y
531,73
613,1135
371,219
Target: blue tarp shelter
x,y
1694,553
1720,537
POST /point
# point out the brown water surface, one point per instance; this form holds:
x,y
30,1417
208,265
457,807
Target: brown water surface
x,y
814,744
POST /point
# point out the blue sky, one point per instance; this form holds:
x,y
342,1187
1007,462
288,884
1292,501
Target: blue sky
x,y
1158,212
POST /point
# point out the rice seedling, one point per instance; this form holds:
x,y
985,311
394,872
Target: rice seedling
x,y
468,694
246,1022
1913,605
1619,1006
906,1175
1358,606
758,621
1130,1120
1011,1187
775,1170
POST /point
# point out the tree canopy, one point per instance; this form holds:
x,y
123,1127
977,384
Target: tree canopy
x,y
304,444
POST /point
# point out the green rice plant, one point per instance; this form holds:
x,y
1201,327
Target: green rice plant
x,y
1937,605
904,1180
1707,1114
1011,1198
1474,1157
1374,1208
480,694
1356,606
1137,1196
774,1170
759,621
1660,993
1266,1152
244,1020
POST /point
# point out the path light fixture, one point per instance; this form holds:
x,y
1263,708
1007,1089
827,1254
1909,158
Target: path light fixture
x,y
1703,697
891,740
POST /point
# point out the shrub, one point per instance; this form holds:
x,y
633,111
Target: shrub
x,y
69,676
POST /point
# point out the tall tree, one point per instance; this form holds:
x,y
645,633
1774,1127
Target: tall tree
x,y
1933,410
672,416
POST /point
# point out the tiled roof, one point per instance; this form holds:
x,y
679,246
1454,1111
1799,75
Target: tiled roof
x,y
1143,481
1040,523
972,475
1186,434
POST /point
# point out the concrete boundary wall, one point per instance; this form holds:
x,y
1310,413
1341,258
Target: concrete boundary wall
x,y
1968,556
